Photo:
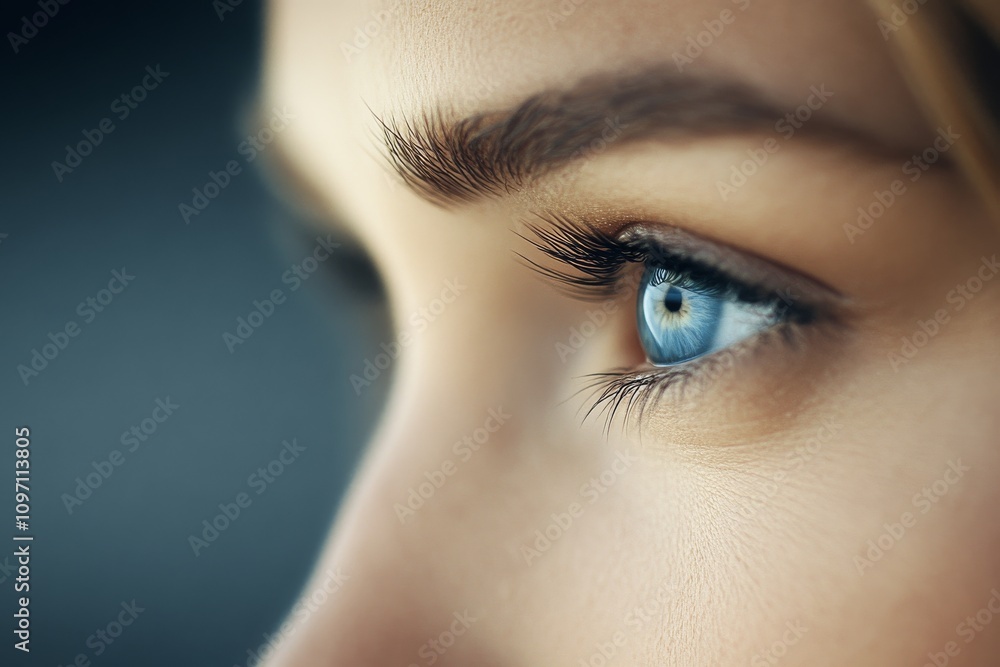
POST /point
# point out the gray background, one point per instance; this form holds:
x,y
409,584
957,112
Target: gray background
x,y
162,337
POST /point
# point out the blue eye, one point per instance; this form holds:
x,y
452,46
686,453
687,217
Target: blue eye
x,y
680,320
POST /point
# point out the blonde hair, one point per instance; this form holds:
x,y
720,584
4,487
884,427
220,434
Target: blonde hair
x,y
934,44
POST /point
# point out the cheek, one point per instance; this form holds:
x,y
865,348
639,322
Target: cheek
x,y
808,532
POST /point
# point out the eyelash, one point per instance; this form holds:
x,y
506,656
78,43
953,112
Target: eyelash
x,y
594,265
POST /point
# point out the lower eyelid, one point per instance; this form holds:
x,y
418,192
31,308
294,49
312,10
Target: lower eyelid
x,y
637,392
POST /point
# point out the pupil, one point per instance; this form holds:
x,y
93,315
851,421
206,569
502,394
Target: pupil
x,y
673,299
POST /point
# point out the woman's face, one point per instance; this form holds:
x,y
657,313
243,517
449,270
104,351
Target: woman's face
x,y
723,225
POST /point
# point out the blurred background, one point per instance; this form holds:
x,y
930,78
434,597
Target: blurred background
x,y
91,378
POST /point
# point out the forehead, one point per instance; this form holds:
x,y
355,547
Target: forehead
x,y
458,57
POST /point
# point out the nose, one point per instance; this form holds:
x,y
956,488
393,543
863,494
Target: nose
x,y
410,572
466,468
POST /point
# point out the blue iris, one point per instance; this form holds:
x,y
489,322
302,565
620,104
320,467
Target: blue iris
x,y
681,319
676,324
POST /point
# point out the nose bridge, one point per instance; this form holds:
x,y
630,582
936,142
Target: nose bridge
x,y
422,535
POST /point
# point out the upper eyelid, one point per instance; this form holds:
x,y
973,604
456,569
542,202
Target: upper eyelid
x,y
692,274
592,250
792,287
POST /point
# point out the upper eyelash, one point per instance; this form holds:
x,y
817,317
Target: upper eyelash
x,y
594,262
597,257
661,274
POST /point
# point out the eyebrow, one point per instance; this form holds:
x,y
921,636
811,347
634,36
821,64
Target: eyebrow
x,y
493,153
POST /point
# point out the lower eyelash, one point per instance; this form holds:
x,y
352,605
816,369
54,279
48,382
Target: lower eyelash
x,y
638,391
634,390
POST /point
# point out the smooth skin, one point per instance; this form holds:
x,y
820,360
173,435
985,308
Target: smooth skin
x,y
819,504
